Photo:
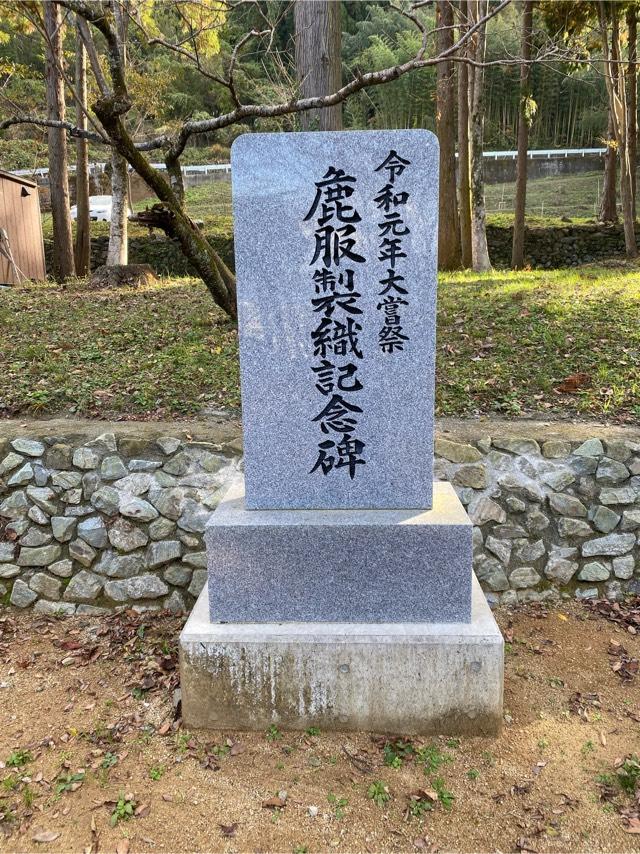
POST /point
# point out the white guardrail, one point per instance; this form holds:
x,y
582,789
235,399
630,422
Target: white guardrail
x,y
206,168
98,168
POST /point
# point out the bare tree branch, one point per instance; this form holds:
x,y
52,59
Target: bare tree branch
x,y
92,53
71,129
95,14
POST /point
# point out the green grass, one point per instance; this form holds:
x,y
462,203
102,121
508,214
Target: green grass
x,y
210,202
162,350
505,341
548,199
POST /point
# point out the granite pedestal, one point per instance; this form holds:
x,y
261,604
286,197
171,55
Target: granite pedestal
x,y
355,566
405,678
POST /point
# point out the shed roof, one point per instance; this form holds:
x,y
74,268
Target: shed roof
x,y
19,179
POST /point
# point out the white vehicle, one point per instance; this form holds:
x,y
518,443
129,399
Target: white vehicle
x,y
99,208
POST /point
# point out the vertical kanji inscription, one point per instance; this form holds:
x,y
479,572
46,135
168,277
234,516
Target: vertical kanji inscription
x,y
335,300
391,201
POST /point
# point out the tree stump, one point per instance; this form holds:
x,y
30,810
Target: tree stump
x,y
122,276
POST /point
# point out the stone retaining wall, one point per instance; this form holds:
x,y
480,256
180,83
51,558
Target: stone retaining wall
x,y
552,516
93,520
88,525
544,248
547,248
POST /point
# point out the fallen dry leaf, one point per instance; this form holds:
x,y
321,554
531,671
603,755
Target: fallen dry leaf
x,y
423,795
229,830
574,382
274,803
633,826
44,836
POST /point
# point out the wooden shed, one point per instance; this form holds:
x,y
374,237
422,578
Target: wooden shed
x,y
21,245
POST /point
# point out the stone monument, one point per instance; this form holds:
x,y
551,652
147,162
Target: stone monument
x,y
340,591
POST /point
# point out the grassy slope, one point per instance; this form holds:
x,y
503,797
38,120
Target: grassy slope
x,y
547,200
505,341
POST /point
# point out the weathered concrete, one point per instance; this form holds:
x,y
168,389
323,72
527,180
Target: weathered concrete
x,y
414,678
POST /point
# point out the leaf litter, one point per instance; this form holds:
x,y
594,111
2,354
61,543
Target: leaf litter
x,y
106,728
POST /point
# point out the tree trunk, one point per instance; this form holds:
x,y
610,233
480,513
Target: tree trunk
x,y
118,250
83,222
464,180
632,97
608,200
449,257
63,263
616,91
118,253
479,248
174,171
318,38
517,252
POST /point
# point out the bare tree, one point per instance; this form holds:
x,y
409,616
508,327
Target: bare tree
x,y
83,222
63,262
524,119
109,112
479,250
318,39
118,249
464,164
449,257
616,90
632,95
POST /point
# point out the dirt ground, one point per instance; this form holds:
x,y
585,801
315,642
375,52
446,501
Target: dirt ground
x,y
89,718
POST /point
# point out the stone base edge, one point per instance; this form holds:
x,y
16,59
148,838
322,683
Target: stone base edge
x,y
405,678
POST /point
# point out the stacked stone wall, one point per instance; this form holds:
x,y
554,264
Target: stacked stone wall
x,y
552,517
545,248
110,522
91,521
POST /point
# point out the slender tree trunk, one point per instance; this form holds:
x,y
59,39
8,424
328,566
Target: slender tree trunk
x,y
517,253
449,256
608,200
174,171
118,250
83,222
117,253
616,90
464,179
621,123
632,97
479,248
318,38
63,264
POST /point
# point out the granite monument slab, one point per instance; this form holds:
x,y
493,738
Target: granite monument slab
x,y
335,243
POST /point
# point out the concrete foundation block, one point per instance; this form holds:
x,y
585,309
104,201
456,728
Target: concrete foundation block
x,y
340,566
405,678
